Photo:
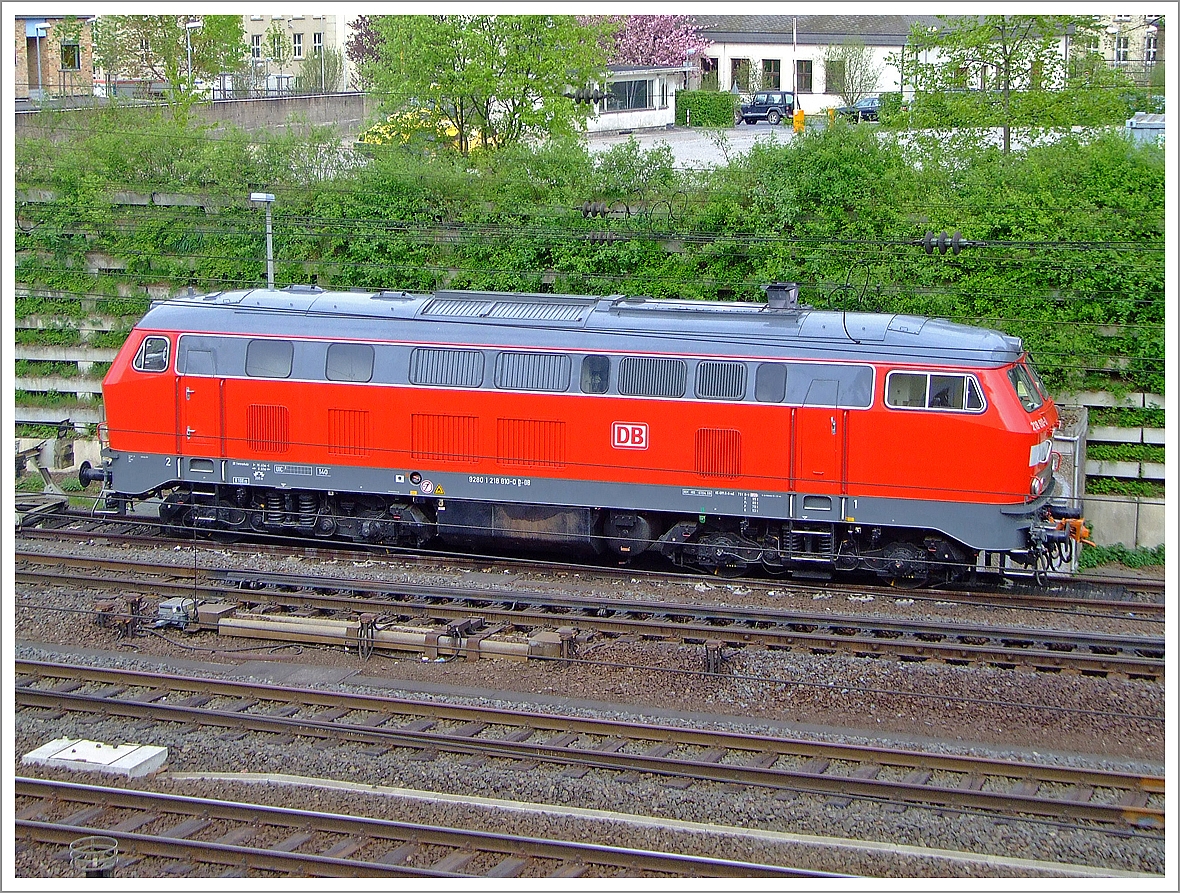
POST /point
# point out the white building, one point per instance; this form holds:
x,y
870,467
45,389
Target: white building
x,y
752,52
638,98
303,37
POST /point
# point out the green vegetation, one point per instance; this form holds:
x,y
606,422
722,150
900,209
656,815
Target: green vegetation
x,y
1102,486
1073,230
705,108
1128,418
1094,556
1125,452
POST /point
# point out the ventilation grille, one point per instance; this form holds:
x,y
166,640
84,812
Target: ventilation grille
x,y
719,452
268,428
459,309
530,442
533,371
449,368
466,308
651,377
348,432
444,438
718,380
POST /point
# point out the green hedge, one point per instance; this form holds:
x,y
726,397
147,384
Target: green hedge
x,y
706,108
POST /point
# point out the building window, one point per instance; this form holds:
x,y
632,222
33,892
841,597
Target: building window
x,y
739,74
803,76
663,93
1150,46
1122,49
317,42
835,76
709,74
624,95
772,74
297,43
256,46
71,57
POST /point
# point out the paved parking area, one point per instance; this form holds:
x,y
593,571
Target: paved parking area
x,y
698,146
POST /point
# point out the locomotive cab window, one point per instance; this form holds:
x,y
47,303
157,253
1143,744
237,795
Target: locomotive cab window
x,y
906,390
595,375
930,390
349,362
269,359
152,355
1030,398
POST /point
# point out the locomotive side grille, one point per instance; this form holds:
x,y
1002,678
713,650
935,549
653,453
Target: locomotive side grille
x,y
651,377
721,380
532,371
268,428
719,452
530,442
449,368
348,432
445,438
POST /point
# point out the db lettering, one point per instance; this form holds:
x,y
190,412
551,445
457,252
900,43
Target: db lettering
x,y
629,436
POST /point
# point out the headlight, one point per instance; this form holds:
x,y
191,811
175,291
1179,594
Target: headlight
x,y
1038,484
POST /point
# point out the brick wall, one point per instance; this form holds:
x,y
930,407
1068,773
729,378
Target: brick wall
x,y
54,80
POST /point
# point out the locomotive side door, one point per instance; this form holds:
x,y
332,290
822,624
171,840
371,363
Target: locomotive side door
x,y
200,396
819,440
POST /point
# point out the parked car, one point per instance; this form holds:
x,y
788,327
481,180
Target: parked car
x,y
770,106
862,110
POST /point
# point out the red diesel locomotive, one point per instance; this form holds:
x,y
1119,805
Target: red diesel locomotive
x,y
722,435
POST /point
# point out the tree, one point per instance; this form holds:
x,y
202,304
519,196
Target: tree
x,y
157,48
320,72
496,79
850,66
650,40
362,47
1011,54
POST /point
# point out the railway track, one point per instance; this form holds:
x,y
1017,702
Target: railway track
x,y
1020,790
1064,591
1007,647
248,839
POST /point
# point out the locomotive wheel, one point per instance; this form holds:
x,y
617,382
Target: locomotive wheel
x,y
905,566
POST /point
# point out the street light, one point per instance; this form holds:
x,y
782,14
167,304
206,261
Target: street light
x,y
267,199
189,28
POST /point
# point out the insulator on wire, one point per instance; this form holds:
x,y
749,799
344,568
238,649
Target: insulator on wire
x,y
942,241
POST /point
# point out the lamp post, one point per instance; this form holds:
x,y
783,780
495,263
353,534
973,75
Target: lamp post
x,y
189,28
267,199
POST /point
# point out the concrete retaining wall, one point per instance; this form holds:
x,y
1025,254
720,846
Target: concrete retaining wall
x,y
348,111
1133,522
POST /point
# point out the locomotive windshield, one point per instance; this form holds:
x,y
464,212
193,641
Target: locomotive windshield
x,y
1032,371
1022,382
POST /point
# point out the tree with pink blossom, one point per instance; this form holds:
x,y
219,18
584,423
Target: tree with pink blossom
x,y
652,40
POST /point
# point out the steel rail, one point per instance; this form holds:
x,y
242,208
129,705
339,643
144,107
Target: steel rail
x,y
1027,596
661,743
1095,653
512,854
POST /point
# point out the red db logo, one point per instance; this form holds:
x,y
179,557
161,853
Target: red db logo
x,y
629,435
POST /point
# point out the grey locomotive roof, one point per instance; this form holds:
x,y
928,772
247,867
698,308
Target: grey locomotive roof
x,y
585,324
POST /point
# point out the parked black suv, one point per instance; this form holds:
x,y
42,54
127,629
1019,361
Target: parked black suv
x,y
770,106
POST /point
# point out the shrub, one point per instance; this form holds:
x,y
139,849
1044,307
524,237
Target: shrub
x,y
705,108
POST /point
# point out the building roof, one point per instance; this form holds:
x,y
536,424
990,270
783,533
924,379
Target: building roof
x,y
868,29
